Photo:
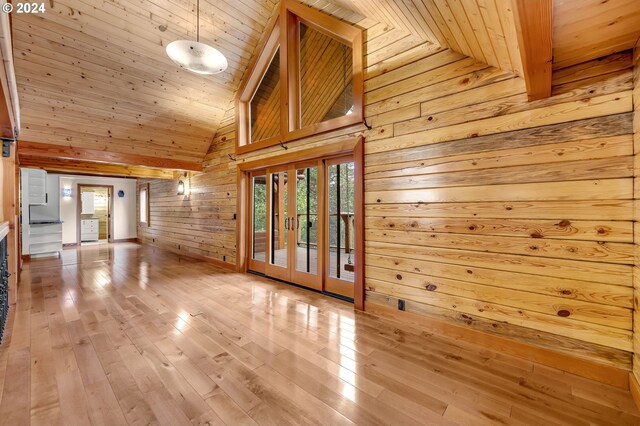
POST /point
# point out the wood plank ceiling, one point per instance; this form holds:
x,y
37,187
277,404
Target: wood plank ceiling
x,y
94,74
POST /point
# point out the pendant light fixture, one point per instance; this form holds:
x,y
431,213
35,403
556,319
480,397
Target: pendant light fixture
x,y
195,56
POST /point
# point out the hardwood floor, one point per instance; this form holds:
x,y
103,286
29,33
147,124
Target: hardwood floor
x,y
129,334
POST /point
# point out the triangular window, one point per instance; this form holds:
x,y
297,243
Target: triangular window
x,y
306,80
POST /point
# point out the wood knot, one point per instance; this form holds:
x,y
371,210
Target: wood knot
x,y
508,208
398,277
472,228
431,287
465,80
601,231
565,292
536,235
378,200
563,313
469,271
564,223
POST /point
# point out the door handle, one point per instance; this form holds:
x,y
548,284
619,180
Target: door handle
x,y
286,223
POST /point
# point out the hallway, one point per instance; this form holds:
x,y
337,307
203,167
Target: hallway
x,y
130,334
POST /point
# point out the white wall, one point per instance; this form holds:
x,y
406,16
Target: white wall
x,y
124,209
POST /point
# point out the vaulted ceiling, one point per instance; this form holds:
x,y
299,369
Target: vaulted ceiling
x,y
93,74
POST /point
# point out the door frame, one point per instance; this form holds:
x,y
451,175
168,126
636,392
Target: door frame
x,y
351,146
254,265
334,284
306,279
110,230
271,268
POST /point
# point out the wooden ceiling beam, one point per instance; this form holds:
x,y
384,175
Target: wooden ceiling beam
x,y
64,152
9,109
534,24
90,168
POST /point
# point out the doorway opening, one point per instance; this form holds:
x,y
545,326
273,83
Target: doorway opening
x,y
95,206
304,222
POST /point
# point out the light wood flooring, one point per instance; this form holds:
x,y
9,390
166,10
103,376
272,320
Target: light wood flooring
x,y
126,334
301,261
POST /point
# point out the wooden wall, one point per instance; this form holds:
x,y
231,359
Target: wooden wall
x,y
483,209
636,233
8,213
508,216
201,224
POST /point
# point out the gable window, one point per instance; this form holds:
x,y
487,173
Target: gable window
x,y
306,80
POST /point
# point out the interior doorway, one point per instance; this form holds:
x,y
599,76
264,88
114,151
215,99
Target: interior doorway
x,y
304,223
94,213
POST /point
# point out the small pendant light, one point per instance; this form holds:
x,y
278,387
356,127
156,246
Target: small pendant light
x,y
195,56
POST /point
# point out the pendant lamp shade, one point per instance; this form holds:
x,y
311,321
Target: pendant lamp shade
x,y
196,57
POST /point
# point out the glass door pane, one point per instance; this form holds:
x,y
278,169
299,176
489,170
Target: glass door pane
x,y
279,219
307,221
264,109
341,215
259,218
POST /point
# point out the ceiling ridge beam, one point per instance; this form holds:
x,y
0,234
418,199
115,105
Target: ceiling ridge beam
x,y
93,169
534,24
68,152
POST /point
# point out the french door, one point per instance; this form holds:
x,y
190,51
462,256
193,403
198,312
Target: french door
x,y
301,221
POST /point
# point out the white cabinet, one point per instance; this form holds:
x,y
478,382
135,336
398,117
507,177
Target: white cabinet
x,y
45,238
88,203
89,229
51,210
37,182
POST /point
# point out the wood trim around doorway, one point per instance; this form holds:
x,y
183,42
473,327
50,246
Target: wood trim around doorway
x,y
110,230
354,147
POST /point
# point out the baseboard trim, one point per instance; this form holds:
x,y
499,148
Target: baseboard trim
x,y
634,387
215,262
610,375
126,240
67,245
